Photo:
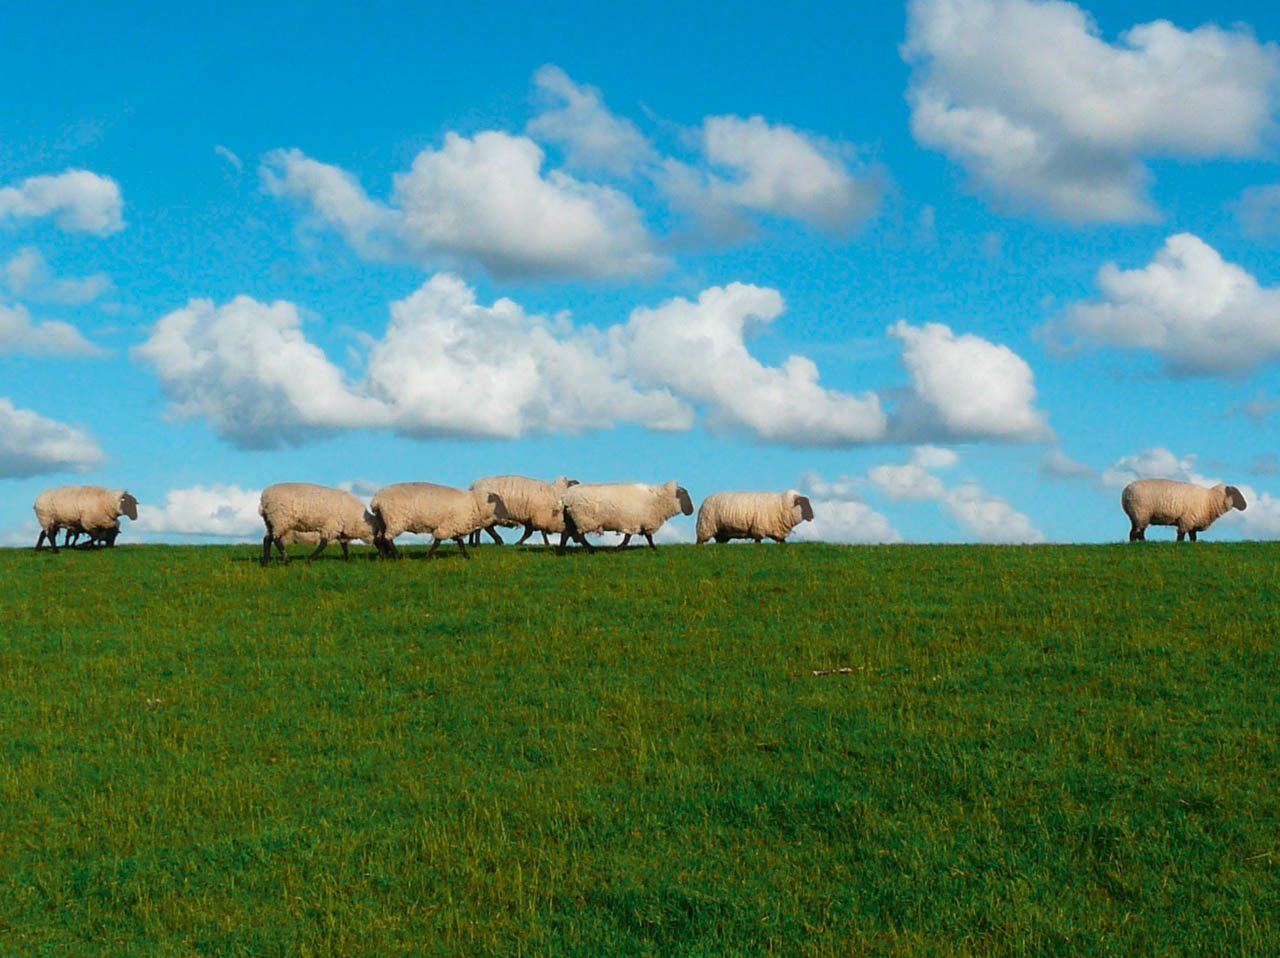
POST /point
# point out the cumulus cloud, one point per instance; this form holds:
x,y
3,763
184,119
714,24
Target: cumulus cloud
x,y
846,521
448,365
1155,462
989,517
1042,111
964,387
698,349
771,169
249,370
19,334
906,482
78,200
1200,314
224,511
483,199
574,116
31,445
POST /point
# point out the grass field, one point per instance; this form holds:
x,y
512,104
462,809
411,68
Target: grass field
x,y
807,749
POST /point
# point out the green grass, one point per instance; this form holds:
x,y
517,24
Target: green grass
x,y
1048,750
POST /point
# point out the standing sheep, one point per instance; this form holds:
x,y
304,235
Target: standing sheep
x,y
631,508
299,508
1164,502
444,512
751,515
90,509
530,502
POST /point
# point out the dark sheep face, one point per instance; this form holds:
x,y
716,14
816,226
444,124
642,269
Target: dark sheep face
x,y
682,497
1237,500
129,506
806,509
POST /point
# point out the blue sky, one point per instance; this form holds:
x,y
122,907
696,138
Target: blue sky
x,y
958,269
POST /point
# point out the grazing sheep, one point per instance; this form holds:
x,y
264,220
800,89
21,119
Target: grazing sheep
x,y
1164,502
631,508
90,509
751,515
295,509
444,512
531,503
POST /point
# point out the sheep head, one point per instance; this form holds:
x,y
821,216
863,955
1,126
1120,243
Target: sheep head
x,y
128,505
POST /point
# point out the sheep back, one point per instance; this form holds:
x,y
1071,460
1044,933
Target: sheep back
x,y
531,502
751,515
444,512
90,509
1167,502
299,510
631,508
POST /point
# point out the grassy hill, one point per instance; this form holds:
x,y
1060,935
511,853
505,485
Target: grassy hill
x,y
804,749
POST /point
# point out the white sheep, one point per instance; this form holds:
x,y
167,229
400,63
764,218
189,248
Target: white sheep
x,y
1165,502
751,515
90,509
295,509
444,512
631,508
531,503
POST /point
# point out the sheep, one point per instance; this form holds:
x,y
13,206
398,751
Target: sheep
x,y
1165,502
443,511
751,515
77,509
295,509
530,502
628,507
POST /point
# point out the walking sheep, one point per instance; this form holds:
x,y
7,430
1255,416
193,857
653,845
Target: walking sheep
x,y
531,503
631,508
298,508
1164,502
90,509
444,512
751,515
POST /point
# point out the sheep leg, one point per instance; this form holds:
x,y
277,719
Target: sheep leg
x,y
528,531
45,534
266,548
462,545
319,549
1137,533
279,541
625,539
346,556
493,534
435,544
475,537
1193,535
387,548
650,540
545,540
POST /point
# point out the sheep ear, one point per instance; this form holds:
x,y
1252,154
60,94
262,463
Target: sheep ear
x,y
499,507
806,509
129,506
682,497
571,482
1237,499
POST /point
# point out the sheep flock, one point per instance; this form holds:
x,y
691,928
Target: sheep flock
x,y
306,512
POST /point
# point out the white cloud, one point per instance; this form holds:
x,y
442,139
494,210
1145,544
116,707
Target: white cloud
x,y
1155,462
771,169
845,521
18,334
575,117
933,457
484,200
906,482
78,200
224,511
27,274
448,365
965,387
31,445
1041,110
1197,312
698,349
236,163
249,370
989,517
